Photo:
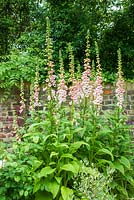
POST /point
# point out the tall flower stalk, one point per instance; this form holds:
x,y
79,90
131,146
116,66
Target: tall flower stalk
x,y
75,90
36,88
71,63
34,92
98,90
51,82
22,98
32,105
119,92
86,75
62,87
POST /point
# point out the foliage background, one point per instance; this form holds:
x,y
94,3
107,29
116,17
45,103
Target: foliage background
x,y
23,30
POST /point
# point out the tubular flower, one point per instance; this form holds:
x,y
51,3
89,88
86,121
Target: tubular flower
x,y
85,84
31,106
62,88
36,95
36,89
120,92
51,82
22,101
51,77
98,91
62,92
75,92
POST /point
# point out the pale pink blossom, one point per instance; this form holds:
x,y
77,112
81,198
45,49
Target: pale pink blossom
x,y
98,91
36,95
75,92
51,79
22,106
62,92
51,82
22,98
85,84
119,92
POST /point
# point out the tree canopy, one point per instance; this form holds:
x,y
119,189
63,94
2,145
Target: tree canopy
x,y
110,23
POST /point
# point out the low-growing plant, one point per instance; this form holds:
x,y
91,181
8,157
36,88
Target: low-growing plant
x,y
91,184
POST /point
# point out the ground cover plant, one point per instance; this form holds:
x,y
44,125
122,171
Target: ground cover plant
x,y
70,149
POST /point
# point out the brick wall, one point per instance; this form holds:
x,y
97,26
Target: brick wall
x,y
7,107
109,99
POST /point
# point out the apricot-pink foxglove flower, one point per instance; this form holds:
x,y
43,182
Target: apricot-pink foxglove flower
x,y
62,87
62,92
22,99
36,88
98,88
86,75
75,92
85,83
119,92
51,82
98,91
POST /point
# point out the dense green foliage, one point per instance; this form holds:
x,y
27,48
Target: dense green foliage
x,y
44,164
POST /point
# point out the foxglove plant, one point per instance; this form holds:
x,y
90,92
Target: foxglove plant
x,y
98,90
75,90
62,88
22,98
86,75
31,106
71,64
36,88
119,92
51,82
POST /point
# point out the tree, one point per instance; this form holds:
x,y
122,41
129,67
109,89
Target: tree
x,y
15,18
120,35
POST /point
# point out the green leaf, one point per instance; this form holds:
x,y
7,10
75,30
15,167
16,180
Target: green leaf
x,y
52,186
46,171
17,178
62,146
106,151
26,193
125,162
36,139
77,130
68,155
37,125
130,179
37,186
119,167
58,179
21,192
36,164
76,145
123,191
103,161
54,154
43,196
72,167
67,193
